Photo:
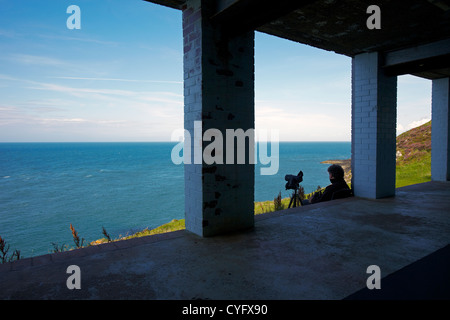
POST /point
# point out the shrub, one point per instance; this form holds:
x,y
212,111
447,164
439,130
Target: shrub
x,y
277,203
4,248
76,238
106,234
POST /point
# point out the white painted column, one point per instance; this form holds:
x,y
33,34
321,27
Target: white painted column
x,y
440,130
374,117
219,94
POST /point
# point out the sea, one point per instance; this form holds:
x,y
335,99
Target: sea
x,y
121,187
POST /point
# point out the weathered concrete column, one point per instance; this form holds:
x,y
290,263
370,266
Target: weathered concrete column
x,y
374,116
218,94
440,130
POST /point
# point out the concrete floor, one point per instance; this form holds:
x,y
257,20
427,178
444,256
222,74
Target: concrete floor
x,y
319,251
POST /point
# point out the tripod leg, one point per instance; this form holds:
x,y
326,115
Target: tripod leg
x,y
290,202
295,200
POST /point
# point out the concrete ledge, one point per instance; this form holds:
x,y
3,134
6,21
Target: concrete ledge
x,y
46,259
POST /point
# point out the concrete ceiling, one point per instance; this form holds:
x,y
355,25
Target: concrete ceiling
x,y
340,26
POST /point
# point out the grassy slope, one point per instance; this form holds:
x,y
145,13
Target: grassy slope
x,y
413,166
414,156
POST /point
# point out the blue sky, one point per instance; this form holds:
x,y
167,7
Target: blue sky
x,y
120,78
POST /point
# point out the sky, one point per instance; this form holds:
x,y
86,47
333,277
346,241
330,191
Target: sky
x,y
120,78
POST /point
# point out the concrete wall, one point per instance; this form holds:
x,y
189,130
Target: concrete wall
x,y
440,130
374,116
218,92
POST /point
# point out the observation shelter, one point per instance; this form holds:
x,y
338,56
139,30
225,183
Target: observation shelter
x,y
320,251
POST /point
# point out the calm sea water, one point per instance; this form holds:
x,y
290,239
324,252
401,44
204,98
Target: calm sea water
x,y
124,187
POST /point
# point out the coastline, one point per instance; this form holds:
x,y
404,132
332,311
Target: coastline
x,y
346,165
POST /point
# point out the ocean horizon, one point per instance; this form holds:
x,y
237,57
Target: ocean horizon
x,y
122,186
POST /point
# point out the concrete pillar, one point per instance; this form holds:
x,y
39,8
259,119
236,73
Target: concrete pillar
x,y
440,130
218,94
374,116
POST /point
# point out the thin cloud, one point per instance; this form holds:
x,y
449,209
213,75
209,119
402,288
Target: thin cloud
x,y
166,97
7,33
9,78
76,91
7,108
64,38
401,128
417,123
36,60
301,126
118,79
47,62
78,121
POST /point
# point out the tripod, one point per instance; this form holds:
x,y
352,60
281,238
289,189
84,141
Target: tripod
x,y
295,199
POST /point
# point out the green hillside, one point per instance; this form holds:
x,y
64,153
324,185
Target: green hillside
x,y
414,156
